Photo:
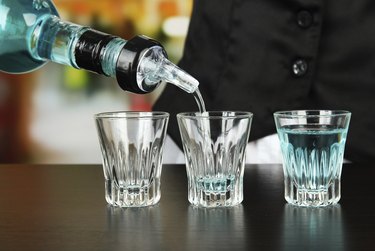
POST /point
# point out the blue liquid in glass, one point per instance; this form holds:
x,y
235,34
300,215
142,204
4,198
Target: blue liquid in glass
x,y
313,158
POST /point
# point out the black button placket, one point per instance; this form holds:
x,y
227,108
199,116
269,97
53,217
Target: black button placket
x,y
304,21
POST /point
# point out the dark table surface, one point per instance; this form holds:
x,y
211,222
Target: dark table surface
x,y
62,207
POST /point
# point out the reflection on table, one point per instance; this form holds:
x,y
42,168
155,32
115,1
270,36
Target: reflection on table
x,y
62,207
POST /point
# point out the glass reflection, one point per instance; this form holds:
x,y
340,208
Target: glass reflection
x,y
315,228
134,228
223,228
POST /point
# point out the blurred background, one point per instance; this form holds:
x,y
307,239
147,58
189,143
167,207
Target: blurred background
x,y
47,116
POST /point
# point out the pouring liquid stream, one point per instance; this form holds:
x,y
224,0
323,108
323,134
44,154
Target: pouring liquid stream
x,y
221,183
199,100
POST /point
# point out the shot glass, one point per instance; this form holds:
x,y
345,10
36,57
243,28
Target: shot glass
x,y
312,144
132,148
215,145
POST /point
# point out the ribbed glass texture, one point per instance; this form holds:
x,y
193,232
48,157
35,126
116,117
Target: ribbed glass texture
x,y
132,149
214,145
312,145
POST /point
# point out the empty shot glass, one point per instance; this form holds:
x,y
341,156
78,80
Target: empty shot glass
x,y
215,145
132,148
312,144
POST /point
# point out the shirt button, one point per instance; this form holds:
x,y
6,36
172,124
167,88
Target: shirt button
x,y
304,19
300,67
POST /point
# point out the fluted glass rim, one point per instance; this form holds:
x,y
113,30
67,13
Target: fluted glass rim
x,y
132,115
216,115
311,113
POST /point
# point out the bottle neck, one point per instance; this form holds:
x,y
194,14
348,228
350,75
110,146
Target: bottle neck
x,y
75,45
139,65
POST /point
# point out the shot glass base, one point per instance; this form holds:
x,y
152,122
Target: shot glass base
x,y
132,196
214,200
208,198
308,198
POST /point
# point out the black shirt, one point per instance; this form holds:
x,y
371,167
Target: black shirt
x,y
268,55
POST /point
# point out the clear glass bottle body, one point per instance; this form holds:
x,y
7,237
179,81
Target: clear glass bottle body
x,y
17,21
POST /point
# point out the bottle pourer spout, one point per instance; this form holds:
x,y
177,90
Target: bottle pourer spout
x,y
142,65
154,68
171,73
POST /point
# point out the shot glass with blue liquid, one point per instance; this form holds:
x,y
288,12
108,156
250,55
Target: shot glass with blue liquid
x,y
215,146
312,144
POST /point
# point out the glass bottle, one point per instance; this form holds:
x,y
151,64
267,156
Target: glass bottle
x,y
31,34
